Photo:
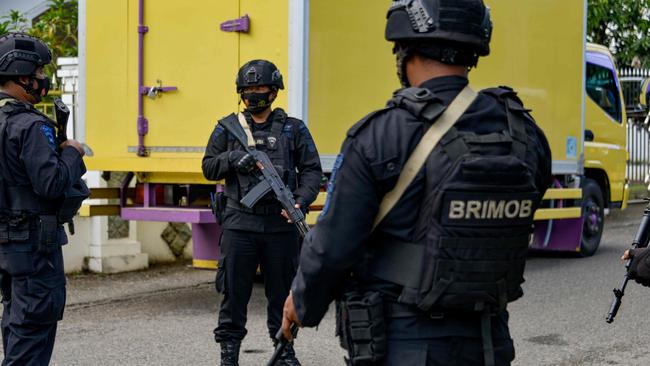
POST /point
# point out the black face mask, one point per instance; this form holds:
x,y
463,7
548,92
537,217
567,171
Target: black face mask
x,y
257,102
43,85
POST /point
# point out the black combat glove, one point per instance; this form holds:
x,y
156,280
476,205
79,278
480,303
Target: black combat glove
x,y
241,161
640,266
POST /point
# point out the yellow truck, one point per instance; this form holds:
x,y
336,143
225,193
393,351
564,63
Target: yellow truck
x,y
159,74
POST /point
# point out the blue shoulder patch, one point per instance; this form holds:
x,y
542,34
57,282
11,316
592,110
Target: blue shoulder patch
x,y
218,130
311,145
48,132
330,185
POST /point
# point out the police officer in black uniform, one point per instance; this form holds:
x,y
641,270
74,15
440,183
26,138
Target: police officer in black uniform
x,y
259,236
36,173
429,285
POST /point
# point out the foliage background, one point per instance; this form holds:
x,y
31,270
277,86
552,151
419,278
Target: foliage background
x,y
57,27
623,26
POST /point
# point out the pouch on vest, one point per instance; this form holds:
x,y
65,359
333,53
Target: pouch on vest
x,y
361,327
48,229
17,231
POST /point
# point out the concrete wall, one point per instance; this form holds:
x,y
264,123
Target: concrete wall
x,y
152,244
77,250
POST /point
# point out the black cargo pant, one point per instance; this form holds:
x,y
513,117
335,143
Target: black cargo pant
x,y
453,341
33,297
277,256
446,351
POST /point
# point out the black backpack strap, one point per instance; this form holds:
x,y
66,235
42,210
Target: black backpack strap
x,y
517,116
277,125
420,102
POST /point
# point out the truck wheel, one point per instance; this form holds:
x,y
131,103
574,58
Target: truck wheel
x,y
593,213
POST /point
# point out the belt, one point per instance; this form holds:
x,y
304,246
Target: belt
x,y
259,209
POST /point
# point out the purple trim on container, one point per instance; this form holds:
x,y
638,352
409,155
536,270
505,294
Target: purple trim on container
x,y
169,214
565,236
241,24
149,195
206,242
142,123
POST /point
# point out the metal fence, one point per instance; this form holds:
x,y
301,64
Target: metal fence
x,y
631,80
638,134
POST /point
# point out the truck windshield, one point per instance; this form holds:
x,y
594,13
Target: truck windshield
x,y
602,89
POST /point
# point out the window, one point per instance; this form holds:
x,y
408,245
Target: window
x,y
602,89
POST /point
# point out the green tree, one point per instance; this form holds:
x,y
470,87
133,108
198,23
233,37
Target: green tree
x,y
57,27
13,22
623,26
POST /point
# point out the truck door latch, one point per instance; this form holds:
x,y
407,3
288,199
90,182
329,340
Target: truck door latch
x,y
242,25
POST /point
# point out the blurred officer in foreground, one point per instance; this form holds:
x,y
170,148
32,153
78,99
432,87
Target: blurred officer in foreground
x,y
259,236
37,174
428,281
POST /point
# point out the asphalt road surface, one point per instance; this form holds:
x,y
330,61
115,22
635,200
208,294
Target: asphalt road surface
x,y
560,320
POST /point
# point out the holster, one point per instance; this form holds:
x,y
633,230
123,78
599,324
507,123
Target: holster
x,y
218,202
361,327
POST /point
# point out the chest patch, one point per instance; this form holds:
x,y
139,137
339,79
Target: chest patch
x,y
488,209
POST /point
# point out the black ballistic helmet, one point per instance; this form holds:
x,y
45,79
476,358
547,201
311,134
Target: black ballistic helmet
x,y
451,31
22,54
259,73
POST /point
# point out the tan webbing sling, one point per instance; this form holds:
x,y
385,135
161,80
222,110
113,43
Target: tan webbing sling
x,y
247,129
419,156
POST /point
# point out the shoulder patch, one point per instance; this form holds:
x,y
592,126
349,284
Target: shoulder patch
x,y
309,140
48,132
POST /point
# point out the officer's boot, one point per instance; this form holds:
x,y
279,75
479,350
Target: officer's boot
x,y
230,353
288,357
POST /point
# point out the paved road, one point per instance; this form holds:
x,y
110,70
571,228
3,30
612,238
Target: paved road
x,y
560,320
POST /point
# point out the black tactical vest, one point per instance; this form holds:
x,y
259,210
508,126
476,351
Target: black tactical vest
x,y
278,144
475,222
21,200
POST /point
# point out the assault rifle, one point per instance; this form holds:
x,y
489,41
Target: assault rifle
x,y
282,344
269,178
62,114
78,192
640,241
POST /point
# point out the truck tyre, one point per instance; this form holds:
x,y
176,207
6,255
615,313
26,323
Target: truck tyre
x,y
593,213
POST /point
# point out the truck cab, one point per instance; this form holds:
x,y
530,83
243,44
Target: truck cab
x,y
604,182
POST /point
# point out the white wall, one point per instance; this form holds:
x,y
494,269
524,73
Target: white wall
x,y
152,244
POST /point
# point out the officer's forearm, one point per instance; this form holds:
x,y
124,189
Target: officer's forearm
x,y
52,178
308,186
215,168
